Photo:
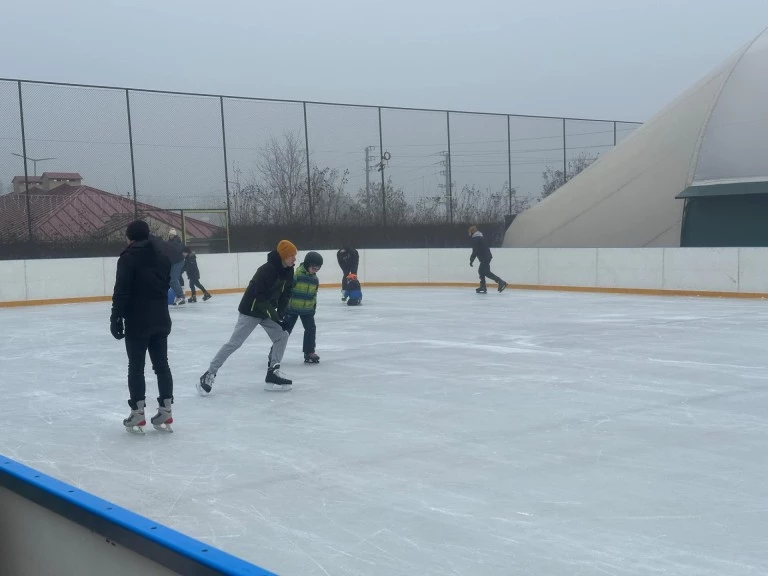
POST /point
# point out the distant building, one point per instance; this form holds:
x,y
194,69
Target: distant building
x,y
696,174
62,208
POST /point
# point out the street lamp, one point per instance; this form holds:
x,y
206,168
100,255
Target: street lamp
x,y
34,160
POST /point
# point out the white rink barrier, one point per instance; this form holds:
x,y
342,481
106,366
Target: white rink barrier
x,y
687,271
49,527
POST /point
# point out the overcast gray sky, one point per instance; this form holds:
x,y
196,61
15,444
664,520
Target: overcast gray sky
x,y
612,59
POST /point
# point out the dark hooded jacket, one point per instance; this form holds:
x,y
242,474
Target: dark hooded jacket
x,y
269,290
480,249
141,290
190,267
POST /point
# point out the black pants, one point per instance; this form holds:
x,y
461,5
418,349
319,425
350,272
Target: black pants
x,y
157,345
484,271
196,282
346,271
310,329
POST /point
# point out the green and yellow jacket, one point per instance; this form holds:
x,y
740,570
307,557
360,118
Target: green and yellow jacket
x,y
303,293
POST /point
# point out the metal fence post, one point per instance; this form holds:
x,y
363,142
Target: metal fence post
x,y
614,133
26,170
509,163
381,169
130,147
565,158
226,169
309,173
449,187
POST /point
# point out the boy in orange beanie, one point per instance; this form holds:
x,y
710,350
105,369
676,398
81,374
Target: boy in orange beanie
x,y
263,303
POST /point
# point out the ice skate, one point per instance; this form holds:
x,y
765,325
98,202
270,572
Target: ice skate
x,y
192,300
311,358
276,380
502,285
136,421
482,290
206,297
179,301
205,384
164,418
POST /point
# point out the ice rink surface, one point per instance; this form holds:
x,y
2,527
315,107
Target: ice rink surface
x,y
443,432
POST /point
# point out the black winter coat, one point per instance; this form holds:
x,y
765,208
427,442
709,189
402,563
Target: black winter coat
x,y
172,248
269,290
348,260
190,267
141,290
480,249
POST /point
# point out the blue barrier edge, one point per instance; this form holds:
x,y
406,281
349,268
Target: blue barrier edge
x,y
141,526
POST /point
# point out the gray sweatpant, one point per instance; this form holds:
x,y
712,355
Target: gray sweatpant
x,y
245,325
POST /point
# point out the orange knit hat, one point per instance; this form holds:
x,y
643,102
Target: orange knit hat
x,y
286,249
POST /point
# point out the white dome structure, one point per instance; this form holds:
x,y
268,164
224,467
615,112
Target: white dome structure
x,y
696,174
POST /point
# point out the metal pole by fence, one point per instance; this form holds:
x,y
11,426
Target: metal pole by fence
x,y
509,164
381,169
449,185
226,168
26,170
309,174
565,158
614,133
130,147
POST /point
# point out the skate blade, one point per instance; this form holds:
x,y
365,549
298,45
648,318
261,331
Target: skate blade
x,y
135,430
201,390
278,387
164,428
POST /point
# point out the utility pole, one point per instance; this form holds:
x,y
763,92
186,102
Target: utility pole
x,y
34,160
368,168
445,163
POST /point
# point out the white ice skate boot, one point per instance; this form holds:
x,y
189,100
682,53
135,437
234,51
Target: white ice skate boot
x,y
164,418
276,380
136,421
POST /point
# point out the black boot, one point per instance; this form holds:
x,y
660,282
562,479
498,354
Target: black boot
x,y
275,381
206,296
482,289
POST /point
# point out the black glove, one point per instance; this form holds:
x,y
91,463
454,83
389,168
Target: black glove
x,y
117,328
273,315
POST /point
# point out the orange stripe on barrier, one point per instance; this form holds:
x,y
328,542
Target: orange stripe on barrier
x,y
593,289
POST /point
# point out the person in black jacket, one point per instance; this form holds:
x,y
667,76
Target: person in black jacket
x,y
140,315
173,248
193,273
481,251
348,259
263,303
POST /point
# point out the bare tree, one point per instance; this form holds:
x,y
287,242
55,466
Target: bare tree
x,y
330,204
369,207
553,179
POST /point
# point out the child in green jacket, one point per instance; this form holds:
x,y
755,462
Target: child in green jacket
x,y
303,303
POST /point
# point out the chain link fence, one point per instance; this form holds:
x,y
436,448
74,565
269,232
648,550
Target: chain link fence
x,y
79,162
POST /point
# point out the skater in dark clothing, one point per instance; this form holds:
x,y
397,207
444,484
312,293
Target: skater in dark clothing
x,y
263,303
481,251
140,315
193,274
348,259
173,248
303,304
